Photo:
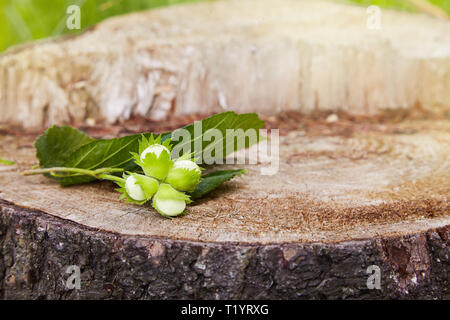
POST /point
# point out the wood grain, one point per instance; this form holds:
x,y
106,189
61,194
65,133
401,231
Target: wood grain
x,y
265,56
376,193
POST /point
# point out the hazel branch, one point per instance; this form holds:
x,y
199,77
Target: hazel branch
x,y
98,173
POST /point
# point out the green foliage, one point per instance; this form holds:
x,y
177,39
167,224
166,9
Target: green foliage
x,y
26,20
102,153
7,162
56,145
73,157
401,4
163,140
214,179
70,148
222,122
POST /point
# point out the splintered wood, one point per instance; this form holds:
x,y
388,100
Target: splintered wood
x,y
260,56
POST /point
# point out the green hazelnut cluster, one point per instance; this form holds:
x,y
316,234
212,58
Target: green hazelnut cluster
x,y
164,181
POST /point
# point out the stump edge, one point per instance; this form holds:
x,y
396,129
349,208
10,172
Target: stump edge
x,y
36,249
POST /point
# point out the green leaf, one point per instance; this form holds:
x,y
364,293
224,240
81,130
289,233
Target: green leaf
x,y
102,153
221,122
214,179
7,162
57,143
68,147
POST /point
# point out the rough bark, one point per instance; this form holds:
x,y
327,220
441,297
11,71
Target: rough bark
x,y
355,194
36,249
263,56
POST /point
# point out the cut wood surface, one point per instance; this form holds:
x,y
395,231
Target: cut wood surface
x,y
349,194
265,56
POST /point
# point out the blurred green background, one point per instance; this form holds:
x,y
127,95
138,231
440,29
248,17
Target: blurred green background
x,y
27,20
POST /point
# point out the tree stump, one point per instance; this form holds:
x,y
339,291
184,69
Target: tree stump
x,y
360,194
263,56
348,195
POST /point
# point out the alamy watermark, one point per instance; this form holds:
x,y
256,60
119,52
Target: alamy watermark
x,y
74,280
73,21
212,146
374,279
373,21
